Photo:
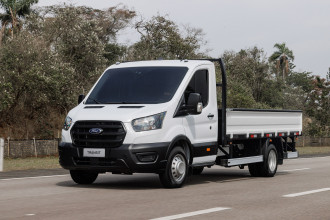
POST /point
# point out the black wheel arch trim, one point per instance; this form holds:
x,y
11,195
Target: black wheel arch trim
x,y
266,144
184,139
193,148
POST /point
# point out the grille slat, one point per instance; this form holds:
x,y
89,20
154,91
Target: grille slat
x,y
103,133
103,126
113,134
99,140
94,161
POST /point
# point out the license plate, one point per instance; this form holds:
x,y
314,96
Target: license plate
x,y
94,152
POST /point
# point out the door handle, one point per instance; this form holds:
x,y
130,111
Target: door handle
x,y
210,116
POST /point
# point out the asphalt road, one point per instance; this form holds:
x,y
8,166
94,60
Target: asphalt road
x,y
300,190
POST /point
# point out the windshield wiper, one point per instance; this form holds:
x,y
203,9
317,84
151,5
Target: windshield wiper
x,y
95,100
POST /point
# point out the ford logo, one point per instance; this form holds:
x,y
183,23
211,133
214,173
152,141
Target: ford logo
x,y
95,130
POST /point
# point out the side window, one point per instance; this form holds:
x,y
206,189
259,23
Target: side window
x,y
199,83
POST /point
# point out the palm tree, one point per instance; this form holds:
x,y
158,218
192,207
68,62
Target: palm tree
x,y
14,9
282,57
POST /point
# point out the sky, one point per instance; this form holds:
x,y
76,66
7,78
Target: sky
x,y
304,25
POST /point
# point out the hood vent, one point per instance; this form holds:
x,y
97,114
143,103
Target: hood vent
x,y
94,106
126,106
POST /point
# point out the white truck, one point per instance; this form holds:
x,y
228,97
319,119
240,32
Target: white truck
x,y
162,117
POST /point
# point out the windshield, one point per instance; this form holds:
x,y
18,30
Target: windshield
x,y
137,85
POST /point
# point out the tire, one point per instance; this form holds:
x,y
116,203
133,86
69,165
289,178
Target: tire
x,y
267,168
254,169
83,177
176,170
197,170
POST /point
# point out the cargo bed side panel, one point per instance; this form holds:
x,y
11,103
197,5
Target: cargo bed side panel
x,y
245,122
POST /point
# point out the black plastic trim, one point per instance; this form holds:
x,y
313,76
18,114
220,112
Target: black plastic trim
x,y
122,159
176,140
200,150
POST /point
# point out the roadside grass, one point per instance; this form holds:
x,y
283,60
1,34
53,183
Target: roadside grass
x,y
313,150
52,162
31,163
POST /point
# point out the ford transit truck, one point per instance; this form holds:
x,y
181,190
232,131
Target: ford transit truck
x,y
164,117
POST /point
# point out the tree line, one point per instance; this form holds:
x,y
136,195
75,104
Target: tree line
x,y
50,55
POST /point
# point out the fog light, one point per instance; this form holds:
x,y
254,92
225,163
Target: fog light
x,y
146,157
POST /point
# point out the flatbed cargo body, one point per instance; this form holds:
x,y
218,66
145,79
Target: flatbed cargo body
x,y
254,123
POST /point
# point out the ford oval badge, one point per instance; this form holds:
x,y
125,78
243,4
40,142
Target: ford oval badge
x,y
95,130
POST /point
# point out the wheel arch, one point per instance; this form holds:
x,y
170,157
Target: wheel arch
x,y
278,143
184,142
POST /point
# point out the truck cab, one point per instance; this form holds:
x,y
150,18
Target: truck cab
x,y
162,117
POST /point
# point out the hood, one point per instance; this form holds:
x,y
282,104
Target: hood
x,y
123,113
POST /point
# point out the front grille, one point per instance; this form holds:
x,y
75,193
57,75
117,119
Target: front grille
x,y
112,136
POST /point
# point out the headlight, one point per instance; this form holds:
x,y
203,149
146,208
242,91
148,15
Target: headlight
x,y
149,123
67,123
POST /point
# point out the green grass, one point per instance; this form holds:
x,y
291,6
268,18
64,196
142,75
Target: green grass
x,y
314,150
31,163
52,162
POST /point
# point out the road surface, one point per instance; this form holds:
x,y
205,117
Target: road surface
x,y
300,190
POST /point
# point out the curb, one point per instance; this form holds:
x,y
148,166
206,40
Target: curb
x,y
32,173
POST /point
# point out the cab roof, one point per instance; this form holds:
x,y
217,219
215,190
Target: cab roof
x,y
179,63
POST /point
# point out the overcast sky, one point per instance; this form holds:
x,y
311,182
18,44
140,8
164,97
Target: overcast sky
x,y
304,25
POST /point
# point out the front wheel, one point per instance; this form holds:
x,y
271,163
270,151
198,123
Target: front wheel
x,y
176,169
197,170
83,177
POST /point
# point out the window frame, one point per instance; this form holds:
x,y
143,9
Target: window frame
x,y
208,85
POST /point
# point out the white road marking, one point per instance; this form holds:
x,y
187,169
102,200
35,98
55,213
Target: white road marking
x,y
30,214
296,170
33,177
189,214
306,193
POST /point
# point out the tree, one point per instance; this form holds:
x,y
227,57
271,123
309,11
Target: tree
x,y
34,85
58,54
248,69
162,38
318,105
81,36
283,58
14,9
114,52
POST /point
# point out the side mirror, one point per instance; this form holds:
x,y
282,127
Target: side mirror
x,y
80,98
194,104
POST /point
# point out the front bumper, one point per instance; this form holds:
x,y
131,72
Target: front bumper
x,y
123,159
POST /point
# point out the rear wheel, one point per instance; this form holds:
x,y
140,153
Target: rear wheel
x,y
270,164
83,177
176,169
268,167
254,169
